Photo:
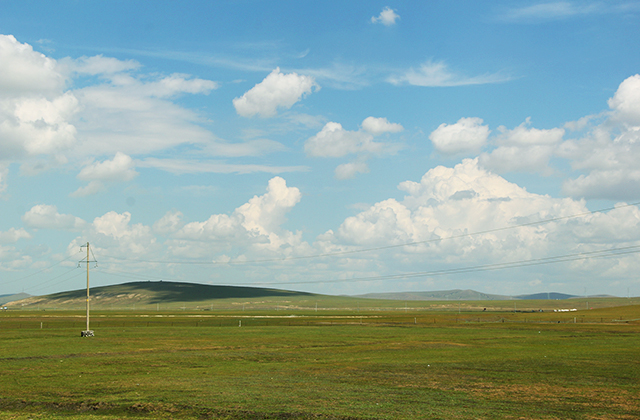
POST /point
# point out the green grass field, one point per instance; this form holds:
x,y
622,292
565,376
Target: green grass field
x,y
330,364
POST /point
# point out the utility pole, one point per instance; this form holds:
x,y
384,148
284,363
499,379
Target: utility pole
x,y
87,332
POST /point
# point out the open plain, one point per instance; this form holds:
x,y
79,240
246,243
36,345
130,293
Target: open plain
x,y
364,362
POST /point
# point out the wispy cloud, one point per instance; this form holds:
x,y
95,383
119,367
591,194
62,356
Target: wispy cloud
x,y
438,74
182,166
339,76
557,10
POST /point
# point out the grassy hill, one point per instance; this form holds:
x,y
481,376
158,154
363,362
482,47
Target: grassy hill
x,y
12,297
165,293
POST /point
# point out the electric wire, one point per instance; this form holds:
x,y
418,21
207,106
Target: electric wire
x,y
60,282
37,272
604,253
470,269
339,253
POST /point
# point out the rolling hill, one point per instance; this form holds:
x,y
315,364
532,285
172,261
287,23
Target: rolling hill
x,y
169,295
12,297
145,293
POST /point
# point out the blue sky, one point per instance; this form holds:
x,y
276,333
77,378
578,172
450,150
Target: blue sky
x,y
331,147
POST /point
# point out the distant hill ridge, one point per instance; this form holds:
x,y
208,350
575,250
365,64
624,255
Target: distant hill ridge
x,y
11,297
458,294
168,292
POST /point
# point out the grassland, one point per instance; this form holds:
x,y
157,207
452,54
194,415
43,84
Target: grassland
x,y
402,362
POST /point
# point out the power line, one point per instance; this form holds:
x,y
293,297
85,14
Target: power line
x,y
478,268
60,282
605,253
37,272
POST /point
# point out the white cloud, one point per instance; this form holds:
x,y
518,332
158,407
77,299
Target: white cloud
x,y
185,166
350,170
25,72
340,76
166,87
124,112
120,168
129,117
13,235
36,126
523,149
457,217
43,216
608,153
178,83
434,74
387,17
99,65
257,147
12,259
626,101
277,90
616,184
4,173
253,227
171,222
93,187
468,135
335,141
377,126
113,235
553,10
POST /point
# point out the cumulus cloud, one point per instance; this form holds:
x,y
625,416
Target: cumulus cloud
x,y
277,90
43,216
626,102
608,153
350,170
377,126
43,117
468,135
120,168
448,202
387,17
24,71
437,74
523,149
458,216
255,226
615,184
113,235
31,126
335,141
13,235
171,222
